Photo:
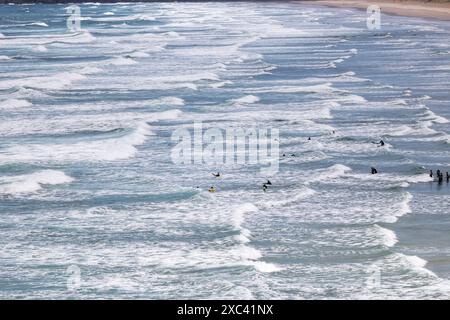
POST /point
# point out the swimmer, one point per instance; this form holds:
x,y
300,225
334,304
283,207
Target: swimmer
x,y
268,183
216,174
212,189
373,170
264,187
431,173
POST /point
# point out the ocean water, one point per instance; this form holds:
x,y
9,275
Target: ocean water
x,y
92,205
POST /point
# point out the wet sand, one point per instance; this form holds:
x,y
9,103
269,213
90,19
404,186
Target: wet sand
x,y
431,9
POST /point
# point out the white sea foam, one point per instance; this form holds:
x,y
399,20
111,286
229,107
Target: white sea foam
x,y
139,54
352,99
39,48
389,237
401,209
109,149
188,77
173,101
332,172
420,128
111,18
38,24
220,84
57,81
284,199
430,115
81,37
122,61
419,178
32,182
418,265
14,104
319,88
416,261
262,266
248,255
249,99
239,212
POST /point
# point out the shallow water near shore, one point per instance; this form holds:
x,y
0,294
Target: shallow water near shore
x,y
87,182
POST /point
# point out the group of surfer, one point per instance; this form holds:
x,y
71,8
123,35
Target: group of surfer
x,y
440,176
212,189
266,185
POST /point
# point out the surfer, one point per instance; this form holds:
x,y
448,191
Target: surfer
x,y
441,177
309,138
268,183
216,174
447,176
380,144
264,187
373,170
212,189
431,173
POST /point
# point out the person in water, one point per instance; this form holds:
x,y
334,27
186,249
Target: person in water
x,y
380,144
212,189
447,177
268,183
264,187
374,171
431,173
441,177
216,174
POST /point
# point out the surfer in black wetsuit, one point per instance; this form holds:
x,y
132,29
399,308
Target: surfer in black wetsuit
x,y
268,183
431,173
447,176
373,170
441,177
264,187
216,174
380,144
